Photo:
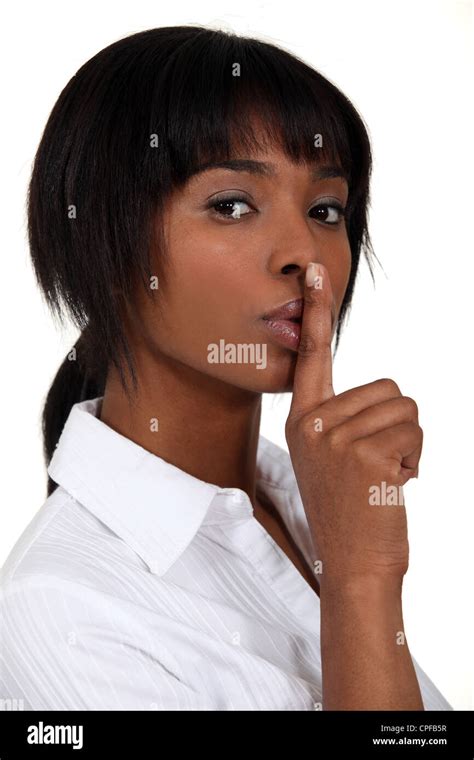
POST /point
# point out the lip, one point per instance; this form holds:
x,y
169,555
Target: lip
x,y
289,310
279,322
281,325
285,332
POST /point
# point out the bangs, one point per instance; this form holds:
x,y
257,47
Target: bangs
x,y
134,123
241,99
219,97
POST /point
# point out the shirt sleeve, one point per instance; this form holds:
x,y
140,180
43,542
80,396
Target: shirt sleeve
x,y
64,646
431,696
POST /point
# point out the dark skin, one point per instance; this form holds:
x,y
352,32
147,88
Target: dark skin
x,y
226,273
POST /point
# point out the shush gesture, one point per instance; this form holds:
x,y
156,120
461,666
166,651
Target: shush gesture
x,y
351,453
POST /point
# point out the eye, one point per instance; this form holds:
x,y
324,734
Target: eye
x,y
229,207
329,213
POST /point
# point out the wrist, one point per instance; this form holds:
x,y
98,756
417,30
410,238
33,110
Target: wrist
x,y
361,587
367,607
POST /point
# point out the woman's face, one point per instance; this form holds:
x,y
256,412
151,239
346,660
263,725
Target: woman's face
x,y
232,264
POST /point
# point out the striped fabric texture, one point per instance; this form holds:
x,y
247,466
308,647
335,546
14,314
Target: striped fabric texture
x,y
137,586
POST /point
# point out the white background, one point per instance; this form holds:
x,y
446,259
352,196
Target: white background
x,y
407,67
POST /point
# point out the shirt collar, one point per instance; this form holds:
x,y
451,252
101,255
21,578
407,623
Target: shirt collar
x,y
152,505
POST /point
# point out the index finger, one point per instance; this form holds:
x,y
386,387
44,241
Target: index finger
x,y
312,384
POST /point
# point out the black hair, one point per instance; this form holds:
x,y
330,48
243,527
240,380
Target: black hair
x,y
132,125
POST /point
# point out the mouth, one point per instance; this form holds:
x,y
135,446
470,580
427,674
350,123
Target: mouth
x,y
284,323
285,332
291,311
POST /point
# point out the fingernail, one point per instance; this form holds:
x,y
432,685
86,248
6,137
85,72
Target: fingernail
x,y
313,272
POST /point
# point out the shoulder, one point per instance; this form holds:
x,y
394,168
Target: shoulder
x,y
75,631
33,534
53,607
66,542
66,570
51,591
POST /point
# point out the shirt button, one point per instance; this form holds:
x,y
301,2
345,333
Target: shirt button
x,y
237,498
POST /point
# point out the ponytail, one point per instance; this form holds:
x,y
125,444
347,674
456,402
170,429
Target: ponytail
x,y
78,378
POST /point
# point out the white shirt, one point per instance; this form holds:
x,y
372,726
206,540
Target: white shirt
x,y
137,586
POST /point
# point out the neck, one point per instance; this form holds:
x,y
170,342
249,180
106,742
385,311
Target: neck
x,y
200,424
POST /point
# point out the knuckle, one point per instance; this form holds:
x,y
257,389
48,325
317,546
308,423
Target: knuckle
x,y
304,428
415,428
335,439
392,474
392,470
307,427
411,406
389,385
361,450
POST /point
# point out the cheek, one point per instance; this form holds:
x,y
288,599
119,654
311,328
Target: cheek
x,y
208,273
202,301
341,274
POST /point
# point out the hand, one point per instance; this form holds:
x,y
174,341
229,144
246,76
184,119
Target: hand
x,y
349,452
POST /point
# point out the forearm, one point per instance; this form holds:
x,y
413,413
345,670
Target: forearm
x,y
366,663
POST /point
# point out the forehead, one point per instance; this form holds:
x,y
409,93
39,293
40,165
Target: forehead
x,y
269,166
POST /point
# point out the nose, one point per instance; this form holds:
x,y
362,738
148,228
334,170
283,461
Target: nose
x,y
295,246
290,258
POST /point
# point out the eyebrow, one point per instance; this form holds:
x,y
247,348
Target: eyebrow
x,y
264,169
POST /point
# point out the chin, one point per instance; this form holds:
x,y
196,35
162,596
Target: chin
x,y
277,377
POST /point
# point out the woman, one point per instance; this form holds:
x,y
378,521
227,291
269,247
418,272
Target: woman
x,y
198,206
